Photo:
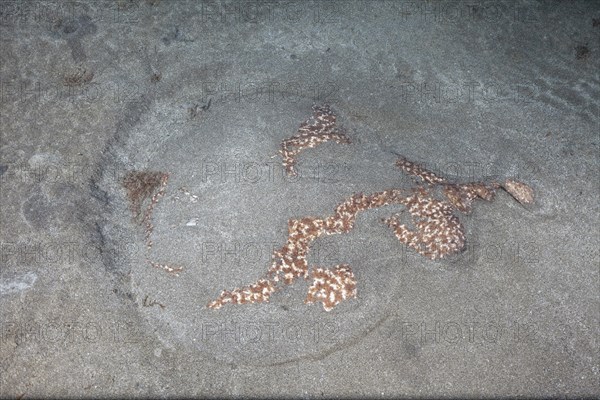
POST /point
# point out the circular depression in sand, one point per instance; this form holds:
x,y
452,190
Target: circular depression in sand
x,y
226,206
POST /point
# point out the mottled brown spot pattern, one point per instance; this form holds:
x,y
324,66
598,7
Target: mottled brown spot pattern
x,y
330,287
416,170
438,231
462,196
519,190
319,129
290,262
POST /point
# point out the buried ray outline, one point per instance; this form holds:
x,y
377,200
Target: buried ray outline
x,y
433,207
